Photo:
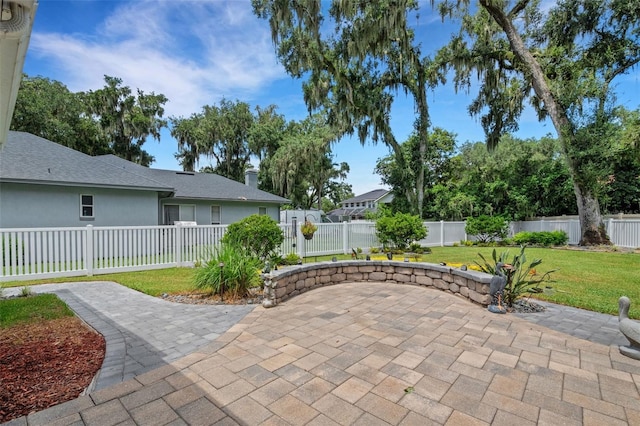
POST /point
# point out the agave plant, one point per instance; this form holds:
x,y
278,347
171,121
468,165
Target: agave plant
x,y
521,278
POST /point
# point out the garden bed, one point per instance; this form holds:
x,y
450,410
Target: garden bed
x,y
46,363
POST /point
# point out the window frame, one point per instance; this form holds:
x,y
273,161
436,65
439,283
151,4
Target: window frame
x,y
92,206
219,214
181,208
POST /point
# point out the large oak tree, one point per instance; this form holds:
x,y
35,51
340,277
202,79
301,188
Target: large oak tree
x,y
127,119
564,63
357,55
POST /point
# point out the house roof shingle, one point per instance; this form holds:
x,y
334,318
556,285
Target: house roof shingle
x,y
31,159
368,196
192,185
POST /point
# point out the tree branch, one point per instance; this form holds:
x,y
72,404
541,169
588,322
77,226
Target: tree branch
x,y
519,7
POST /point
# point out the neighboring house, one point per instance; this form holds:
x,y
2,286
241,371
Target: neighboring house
x,y
300,215
357,207
44,184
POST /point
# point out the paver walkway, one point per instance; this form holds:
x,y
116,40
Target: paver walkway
x,y
373,354
141,332
588,325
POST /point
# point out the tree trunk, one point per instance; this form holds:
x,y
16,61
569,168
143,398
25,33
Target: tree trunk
x,y
592,228
423,134
591,225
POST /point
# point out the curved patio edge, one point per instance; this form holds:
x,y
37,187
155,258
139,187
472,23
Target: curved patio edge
x,y
285,283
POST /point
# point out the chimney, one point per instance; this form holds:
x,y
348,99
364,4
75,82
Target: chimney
x,y
251,178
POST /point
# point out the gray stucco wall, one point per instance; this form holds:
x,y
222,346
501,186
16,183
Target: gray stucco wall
x,y
230,212
36,206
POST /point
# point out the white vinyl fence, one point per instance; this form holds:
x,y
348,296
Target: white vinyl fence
x,y
84,251
622,232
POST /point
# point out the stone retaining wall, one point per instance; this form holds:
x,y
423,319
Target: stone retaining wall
x,y
291,281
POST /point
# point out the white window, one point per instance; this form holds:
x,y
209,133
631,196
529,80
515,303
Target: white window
x,y
216,218
86,206
262,211
175,213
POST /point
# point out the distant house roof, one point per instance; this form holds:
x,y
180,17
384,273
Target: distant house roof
x,y
374,195
27,158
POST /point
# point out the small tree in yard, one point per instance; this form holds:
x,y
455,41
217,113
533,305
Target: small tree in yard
x,y
258,234
400,229
487,228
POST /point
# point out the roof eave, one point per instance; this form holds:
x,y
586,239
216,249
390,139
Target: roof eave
x,y
86,184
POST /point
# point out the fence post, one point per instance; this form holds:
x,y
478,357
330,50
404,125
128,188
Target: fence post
x,y
345,237
442,233
88,250
300,241
466,237
609,230
178,247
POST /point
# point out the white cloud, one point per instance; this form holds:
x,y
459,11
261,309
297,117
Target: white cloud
x,y
193,52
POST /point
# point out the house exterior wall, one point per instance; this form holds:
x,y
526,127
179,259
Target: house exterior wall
x,y
230,211
36,206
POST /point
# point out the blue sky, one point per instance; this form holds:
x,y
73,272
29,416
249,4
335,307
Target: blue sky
x,y
197,52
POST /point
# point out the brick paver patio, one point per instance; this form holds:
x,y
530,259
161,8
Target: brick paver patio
x,y
375,353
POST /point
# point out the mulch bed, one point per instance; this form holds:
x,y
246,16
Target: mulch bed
x,y
254,297
45,364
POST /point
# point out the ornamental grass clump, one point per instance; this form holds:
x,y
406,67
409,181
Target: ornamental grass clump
x,y
521,278
230,270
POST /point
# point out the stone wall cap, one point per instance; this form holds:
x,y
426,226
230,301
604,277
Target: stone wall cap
x,y
478,276
293,269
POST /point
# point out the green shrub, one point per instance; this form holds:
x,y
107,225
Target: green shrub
x,y
521,278
543,238
238,274
258,234
291,259
400,230
274,259
415,247
487,229
374,250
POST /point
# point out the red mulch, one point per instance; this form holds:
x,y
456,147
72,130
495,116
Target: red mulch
x,y
45,364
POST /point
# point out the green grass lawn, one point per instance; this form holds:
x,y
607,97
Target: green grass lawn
x,y
153,282
25,310
584,279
